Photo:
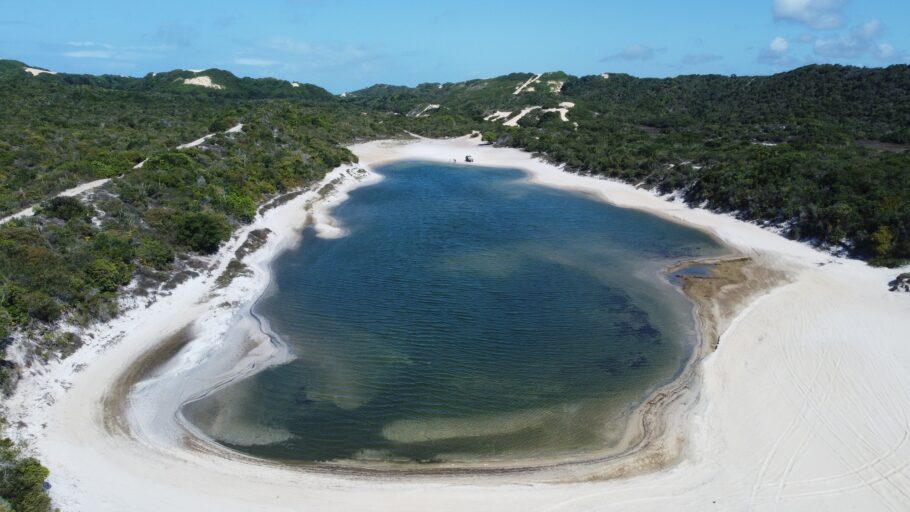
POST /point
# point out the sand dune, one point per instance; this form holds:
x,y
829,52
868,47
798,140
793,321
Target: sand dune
x,y
563,110
36,71
495,116
525,111
426,109
202,81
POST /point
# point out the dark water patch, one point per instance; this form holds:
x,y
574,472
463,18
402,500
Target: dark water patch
x,y
691,270
467,316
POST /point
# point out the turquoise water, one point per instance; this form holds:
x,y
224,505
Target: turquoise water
x,y
468,316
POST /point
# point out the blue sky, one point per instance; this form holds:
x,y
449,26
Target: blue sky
x,y
348,44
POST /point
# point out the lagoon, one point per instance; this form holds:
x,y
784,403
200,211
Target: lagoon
x,y
467,316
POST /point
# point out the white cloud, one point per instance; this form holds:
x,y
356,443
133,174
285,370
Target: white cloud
x,y
89,54
88,44
860,42
820,14
779,45
869,29
105,51
844,47
885,51
777,53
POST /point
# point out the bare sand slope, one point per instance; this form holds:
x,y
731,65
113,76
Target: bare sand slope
x,y
804,406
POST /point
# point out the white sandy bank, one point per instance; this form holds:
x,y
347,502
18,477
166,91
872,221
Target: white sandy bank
x,y
804,406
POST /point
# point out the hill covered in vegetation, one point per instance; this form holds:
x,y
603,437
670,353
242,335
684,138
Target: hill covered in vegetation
x,y
148,225
820,152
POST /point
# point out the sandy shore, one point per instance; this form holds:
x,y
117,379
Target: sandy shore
x,y
804,404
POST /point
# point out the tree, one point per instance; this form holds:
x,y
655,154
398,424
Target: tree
x,y
202,232
241,206
156,253
108,275
22,481
65,208
883,240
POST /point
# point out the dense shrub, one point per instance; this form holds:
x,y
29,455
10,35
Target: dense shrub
x,y
156,253
22,481
65,208
202,232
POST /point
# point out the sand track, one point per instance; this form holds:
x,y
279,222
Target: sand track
x,y
89,186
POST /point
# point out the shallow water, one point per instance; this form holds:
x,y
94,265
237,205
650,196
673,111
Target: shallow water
x,y
690,270
469,315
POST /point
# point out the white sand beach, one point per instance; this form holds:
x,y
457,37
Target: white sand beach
x,y
805,404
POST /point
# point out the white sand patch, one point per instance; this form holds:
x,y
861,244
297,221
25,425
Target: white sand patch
x,y
525,111
198,142
295,84
555,85
427,109
202,81
563,110
605,76
36,71
70,192
495,116
526,84
804,406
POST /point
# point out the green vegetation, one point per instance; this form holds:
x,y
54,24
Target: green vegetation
x,y
822,152
150,225
21,481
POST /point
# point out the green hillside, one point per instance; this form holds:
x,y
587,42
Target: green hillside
x,y
820,152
